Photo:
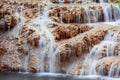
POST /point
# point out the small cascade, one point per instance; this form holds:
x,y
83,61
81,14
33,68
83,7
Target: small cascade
x,y
14,33
106,14
46,43
52,51
68,39
47,50
110,14
61,1
92,13
112,36
79,1
82,1
87,11
114,71
38,9
106,49
101,1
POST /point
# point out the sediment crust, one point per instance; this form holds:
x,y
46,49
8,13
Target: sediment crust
x,y
26,43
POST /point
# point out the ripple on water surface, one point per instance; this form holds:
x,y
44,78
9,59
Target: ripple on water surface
x,y
49,76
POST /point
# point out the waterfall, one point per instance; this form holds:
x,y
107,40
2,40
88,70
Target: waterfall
x,y
14,33
38,9
92,69
111,36
61,1
110,13
58,43
88,14
117,71
101,1
105,47
111,72
83,1
47,49
106,14
46,43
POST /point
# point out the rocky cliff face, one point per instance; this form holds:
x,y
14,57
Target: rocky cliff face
x,y
44,36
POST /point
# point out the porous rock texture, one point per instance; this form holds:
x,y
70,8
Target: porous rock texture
x,y
84,13
21,36
7,18
104,66
76,1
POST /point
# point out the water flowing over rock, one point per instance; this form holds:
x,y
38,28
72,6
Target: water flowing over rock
x,y
79,1
7,17
85,13
77,37
108,66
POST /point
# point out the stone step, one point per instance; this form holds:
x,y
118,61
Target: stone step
x,y
84,13
77,46
79,1
108,47
109,66
105,49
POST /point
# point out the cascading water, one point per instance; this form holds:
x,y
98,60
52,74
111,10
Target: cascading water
x,y
105,49
101,1
61,1
106,14
82,1
47,54
15,33
88,14
113,70
110,13
38,9
47,43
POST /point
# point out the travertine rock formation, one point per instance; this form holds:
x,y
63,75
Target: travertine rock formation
x,y
78,46
7,17
82,14
41,36
77,1
105,65
69,31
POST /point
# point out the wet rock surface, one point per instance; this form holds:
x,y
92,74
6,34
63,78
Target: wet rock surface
x,y
70,30
7,16
77,1
67,13
46,37
106,65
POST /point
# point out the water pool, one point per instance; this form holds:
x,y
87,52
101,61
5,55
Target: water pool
x,y
48,76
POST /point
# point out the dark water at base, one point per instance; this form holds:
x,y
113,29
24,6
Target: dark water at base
x,y
48,76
